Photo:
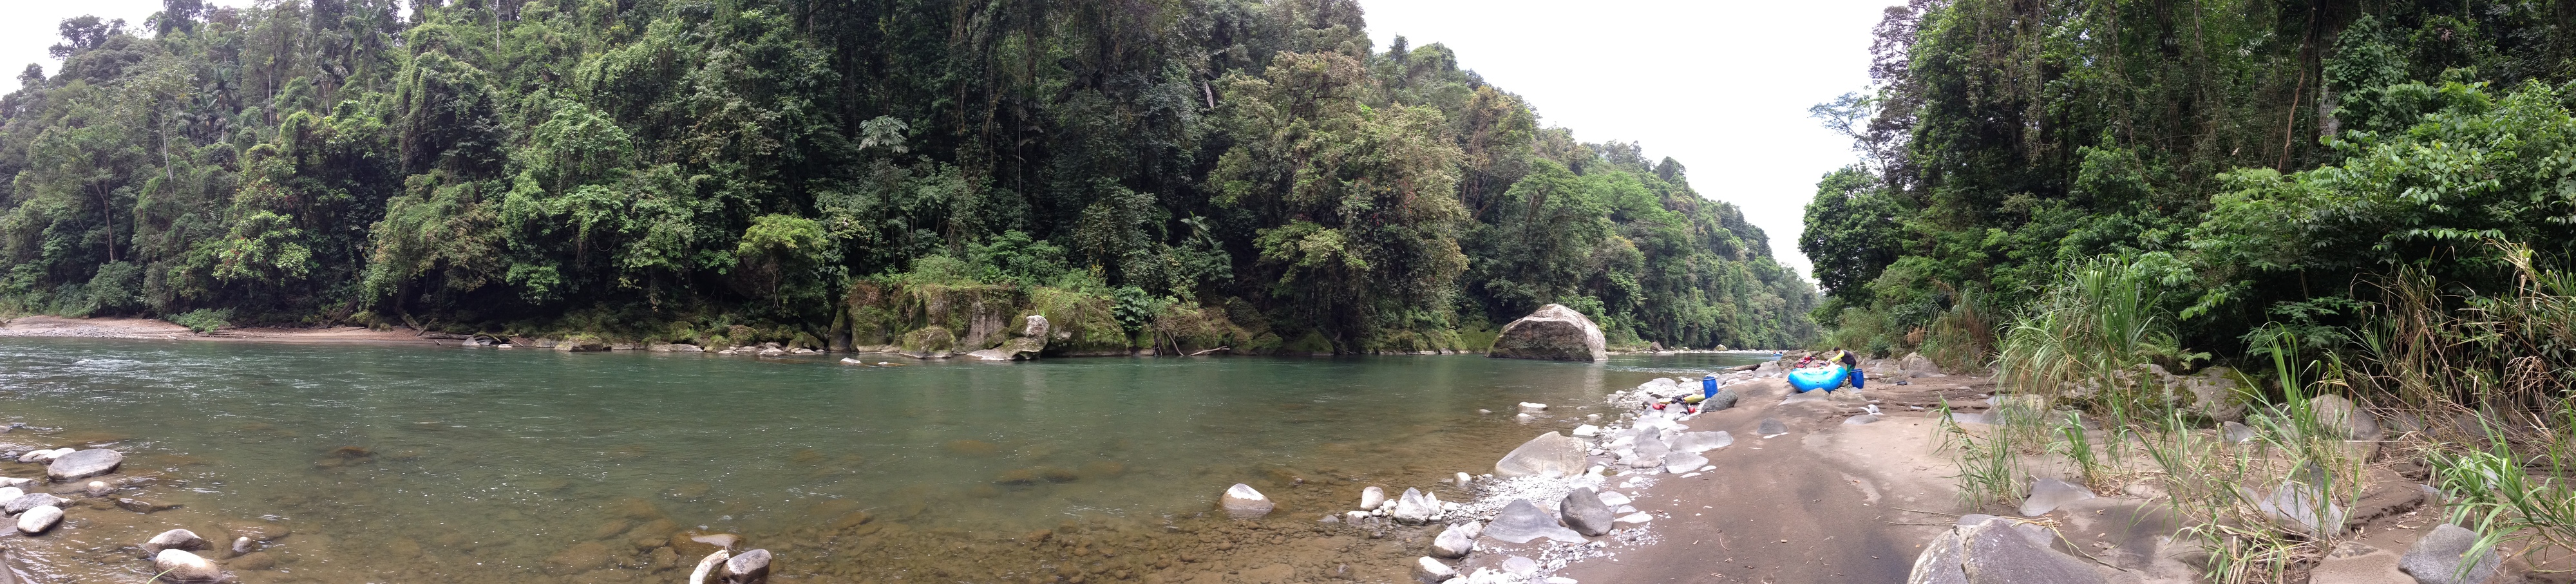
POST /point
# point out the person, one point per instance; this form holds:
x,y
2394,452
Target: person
x,y
1851,365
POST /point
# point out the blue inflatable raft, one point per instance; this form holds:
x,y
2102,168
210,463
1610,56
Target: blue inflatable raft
x,y
1808,379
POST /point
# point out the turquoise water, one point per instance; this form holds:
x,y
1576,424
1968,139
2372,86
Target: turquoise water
x,y
413,464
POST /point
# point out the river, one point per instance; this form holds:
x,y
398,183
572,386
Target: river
x,y
409,464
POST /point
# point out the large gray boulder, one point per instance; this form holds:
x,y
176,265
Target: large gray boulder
x,y
84,464
1549,454
1031,340
1585,513
1914,363
1554,333
1521,521
2439,556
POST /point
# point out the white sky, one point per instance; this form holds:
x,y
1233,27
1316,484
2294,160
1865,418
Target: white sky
x,y
1721,86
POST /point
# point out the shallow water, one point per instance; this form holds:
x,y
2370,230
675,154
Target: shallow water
x,y
410,464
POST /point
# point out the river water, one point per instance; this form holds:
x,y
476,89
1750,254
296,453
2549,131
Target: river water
x,y
403,464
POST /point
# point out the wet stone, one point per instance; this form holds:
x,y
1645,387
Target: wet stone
x,y
176,539
84,464
30,501
1521,521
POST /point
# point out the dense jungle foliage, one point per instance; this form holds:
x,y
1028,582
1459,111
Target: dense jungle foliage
x,y
2274,168
1249,173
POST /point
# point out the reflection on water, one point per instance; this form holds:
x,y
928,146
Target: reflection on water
x,y
406,464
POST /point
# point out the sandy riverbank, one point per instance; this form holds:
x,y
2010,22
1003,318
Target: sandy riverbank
x,y
143,328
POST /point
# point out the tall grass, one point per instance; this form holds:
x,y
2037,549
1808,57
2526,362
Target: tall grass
x,y
2087,335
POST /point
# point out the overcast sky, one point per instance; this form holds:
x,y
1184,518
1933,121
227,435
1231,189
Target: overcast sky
x,y
1721,86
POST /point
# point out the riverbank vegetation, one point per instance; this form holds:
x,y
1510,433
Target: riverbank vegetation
x,y
2313,204
1252,174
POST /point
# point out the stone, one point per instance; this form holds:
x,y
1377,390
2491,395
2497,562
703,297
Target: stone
x,y
17,482
1681,462
2440,555
751,567
1031,340
1463,479
1372,497
1520,566
1554,332
2235,433
176,539
1414,507
581,345
2048,494
253,561
710,568
242,545
98,488
1430,570
2215,393
1585,513
181,566
30,501
1454,542
2339,417
84,464
1701,441
2297,506
1860,419
8,493
39,519
1241,501
1521,521
1996,553
580,557
1533,407
1917,363
1615,498
1772,427
1549,454
674,348
142,506
1940,562
1724,399
1587,431
1634,519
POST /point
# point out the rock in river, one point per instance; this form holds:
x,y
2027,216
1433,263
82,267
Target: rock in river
x,y
1414,507
30,501
1521,521
1554,332
1242,501
84,464
181,566
751,567
1549,454
1585,513
1454,542
1372,497
39,519
176,539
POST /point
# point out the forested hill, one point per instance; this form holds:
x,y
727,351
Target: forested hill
x,y
1204,172
2291,162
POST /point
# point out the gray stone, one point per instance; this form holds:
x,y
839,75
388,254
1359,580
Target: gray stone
x,y
2297,506
751,567
1585,513
84,464
181,566
1860,419
1242,501
1031,340
1549,454
1772,427
176,539
1701,441
30,501
1995,553
2048,494
1940,562
1454,542
39,519
1430,570
1724,399
1520,566
2340,418
2235,433
1917,363
1635,518
2439,557
1521,521
1554,332
1414,507
1372,497
1682,462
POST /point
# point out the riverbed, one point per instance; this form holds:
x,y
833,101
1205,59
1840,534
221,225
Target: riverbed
x,y
417,464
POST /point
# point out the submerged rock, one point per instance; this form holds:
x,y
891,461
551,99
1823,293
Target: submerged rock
x,y
1521,521
751,567
2048,494
1549,454
1242,501
181,566
1554,332
176,539
84,464
2437,558
1585,513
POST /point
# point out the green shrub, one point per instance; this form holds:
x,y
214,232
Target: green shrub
x,y
204,320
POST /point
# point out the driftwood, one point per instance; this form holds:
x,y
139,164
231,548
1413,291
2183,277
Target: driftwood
x,y
1215,350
